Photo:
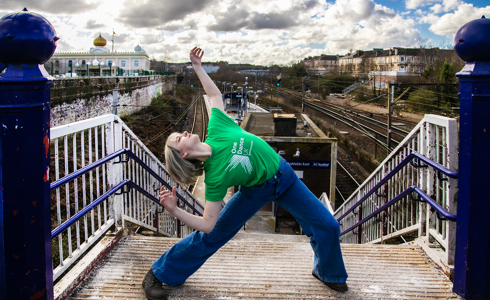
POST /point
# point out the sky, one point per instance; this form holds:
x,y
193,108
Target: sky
x,y
261,32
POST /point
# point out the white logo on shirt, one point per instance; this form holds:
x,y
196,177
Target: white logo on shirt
x,y
240,157
244,161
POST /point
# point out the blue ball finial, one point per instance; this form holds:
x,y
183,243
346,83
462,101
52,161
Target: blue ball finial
x,y
26,38
472,41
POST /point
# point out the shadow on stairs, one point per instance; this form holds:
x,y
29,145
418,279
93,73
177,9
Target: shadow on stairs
x,y
267,266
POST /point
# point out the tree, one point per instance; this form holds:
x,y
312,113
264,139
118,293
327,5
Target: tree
x,y
447,73
298,70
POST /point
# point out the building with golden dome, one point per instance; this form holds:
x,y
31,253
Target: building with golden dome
x,y
99,61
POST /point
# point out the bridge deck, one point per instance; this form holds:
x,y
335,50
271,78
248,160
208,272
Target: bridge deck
x,y
258,266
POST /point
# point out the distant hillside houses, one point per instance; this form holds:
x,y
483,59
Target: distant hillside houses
x,y
385,64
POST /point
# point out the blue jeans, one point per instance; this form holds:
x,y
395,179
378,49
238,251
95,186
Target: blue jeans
x,y
189,254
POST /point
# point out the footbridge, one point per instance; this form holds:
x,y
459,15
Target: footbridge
x,y
104,178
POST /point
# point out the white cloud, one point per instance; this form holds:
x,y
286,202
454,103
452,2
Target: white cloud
x,y
438,8
451,4
429,18
449,23
255,31
413,4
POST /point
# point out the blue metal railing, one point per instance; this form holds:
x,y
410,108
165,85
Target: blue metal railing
x,y
60,229
423,196
118,154
112,156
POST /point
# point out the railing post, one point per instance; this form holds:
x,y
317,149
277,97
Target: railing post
x,y
111,167
422,183
452,194
384,229
26,268
431,189
359,229
472,258
117,200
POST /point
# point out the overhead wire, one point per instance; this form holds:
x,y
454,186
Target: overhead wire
x,y
166,129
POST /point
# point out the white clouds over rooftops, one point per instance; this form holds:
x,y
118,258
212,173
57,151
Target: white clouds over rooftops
x,y
254,31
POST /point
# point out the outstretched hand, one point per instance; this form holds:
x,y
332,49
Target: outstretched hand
x,y
169,201
196,55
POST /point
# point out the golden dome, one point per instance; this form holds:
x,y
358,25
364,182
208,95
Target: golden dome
x,y
100,41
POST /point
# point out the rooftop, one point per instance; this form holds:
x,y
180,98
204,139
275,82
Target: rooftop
x,y
262,124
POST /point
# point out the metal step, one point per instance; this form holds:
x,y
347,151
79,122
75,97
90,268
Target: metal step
x,y
261,266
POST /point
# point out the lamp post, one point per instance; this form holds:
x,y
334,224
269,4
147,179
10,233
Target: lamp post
x,y
303,98
246,95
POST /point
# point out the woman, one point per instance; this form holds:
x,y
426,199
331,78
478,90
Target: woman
x,y
231,156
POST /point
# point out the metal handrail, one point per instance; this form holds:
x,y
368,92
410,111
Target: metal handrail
x,y
112,156
407,160
69,178
60,229
424,198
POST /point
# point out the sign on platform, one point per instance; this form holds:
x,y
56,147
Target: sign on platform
x,y
309,164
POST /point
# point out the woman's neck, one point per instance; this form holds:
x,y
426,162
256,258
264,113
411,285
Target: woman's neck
x,y
202,153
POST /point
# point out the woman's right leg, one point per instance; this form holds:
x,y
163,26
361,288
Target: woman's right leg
x,y
189,254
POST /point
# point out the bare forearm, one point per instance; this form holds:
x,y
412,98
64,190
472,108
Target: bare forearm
x,y
209,87
196,222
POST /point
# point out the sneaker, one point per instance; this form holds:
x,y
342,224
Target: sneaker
x,y
153,287
337,286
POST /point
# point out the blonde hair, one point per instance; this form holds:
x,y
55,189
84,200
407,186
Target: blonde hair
x,y
182,170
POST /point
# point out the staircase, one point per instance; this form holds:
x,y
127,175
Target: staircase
x,y
269,266
351,87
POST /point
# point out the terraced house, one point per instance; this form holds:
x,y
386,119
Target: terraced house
x,y
379,65
382,66
321,65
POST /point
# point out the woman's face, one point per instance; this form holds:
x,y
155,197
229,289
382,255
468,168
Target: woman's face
x,y
186,142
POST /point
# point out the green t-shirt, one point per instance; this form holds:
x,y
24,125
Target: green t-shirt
x,y
238,157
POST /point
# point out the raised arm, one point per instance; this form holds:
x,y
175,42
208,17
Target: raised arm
x,y
209,87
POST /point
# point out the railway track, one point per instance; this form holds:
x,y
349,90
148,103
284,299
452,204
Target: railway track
x,y
200,118
349,184
355,119
368,126
348,175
